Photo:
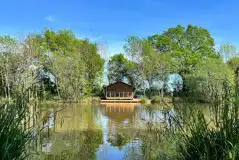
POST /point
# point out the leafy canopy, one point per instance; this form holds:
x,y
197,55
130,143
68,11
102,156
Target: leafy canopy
x,y
187,46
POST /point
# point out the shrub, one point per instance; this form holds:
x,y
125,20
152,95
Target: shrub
x,y
156,100
144,100
95,100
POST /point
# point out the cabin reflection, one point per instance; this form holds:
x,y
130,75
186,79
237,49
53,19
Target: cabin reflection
x,y
120,112
122,123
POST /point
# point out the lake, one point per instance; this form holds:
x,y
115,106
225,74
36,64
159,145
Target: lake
x,y
110,131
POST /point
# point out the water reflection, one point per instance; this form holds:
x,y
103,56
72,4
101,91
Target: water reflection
x,y
109,131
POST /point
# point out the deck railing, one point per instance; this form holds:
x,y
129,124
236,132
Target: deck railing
x,y
119,95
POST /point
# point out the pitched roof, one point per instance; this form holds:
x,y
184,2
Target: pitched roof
x,y
120,82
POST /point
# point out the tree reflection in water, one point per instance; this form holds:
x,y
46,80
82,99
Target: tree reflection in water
x,y
121,122
101,132
74,134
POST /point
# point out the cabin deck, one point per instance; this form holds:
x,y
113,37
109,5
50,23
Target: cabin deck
x,y
120,101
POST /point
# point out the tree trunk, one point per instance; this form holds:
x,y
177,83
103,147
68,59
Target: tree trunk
x,y
159,93
184,89
162,93
57,89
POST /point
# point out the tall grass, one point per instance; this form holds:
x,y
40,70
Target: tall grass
x,y
205,142
213,137
195,134
216,138
13,136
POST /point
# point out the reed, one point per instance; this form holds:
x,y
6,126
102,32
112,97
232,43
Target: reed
x,y
216,138
13,136
191,133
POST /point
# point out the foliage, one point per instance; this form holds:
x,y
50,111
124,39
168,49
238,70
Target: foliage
x,y
144,100
121,69
67,53
61,64
214,138
177,50
8,66
234,63
119,140
117,69
205,143
13,137
197,135
156,100
187,46
152,66
84,147
93,63
208,80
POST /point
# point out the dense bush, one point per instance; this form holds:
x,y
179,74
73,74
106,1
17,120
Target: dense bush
x,y
208,80
144,100
156,100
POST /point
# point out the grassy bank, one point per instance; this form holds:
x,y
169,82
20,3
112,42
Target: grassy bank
x,y
83,100
166,102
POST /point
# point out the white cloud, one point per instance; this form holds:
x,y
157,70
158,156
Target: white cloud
x,y
50,19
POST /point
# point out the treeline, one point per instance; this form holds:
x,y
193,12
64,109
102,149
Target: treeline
x,y
58,64
186,51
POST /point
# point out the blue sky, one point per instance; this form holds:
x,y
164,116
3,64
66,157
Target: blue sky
x,y
111,21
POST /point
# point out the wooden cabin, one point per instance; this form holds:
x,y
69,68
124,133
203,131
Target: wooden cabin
x,y
119,90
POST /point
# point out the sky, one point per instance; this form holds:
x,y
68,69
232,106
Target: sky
x,y
110,22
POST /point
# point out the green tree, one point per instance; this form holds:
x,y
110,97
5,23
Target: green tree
x,y
94,64
139,52
187,47
234,63
121,69
8,50
117,69
152,64
75,63
207,81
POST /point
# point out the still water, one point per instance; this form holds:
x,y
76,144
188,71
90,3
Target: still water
x,y
104,132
